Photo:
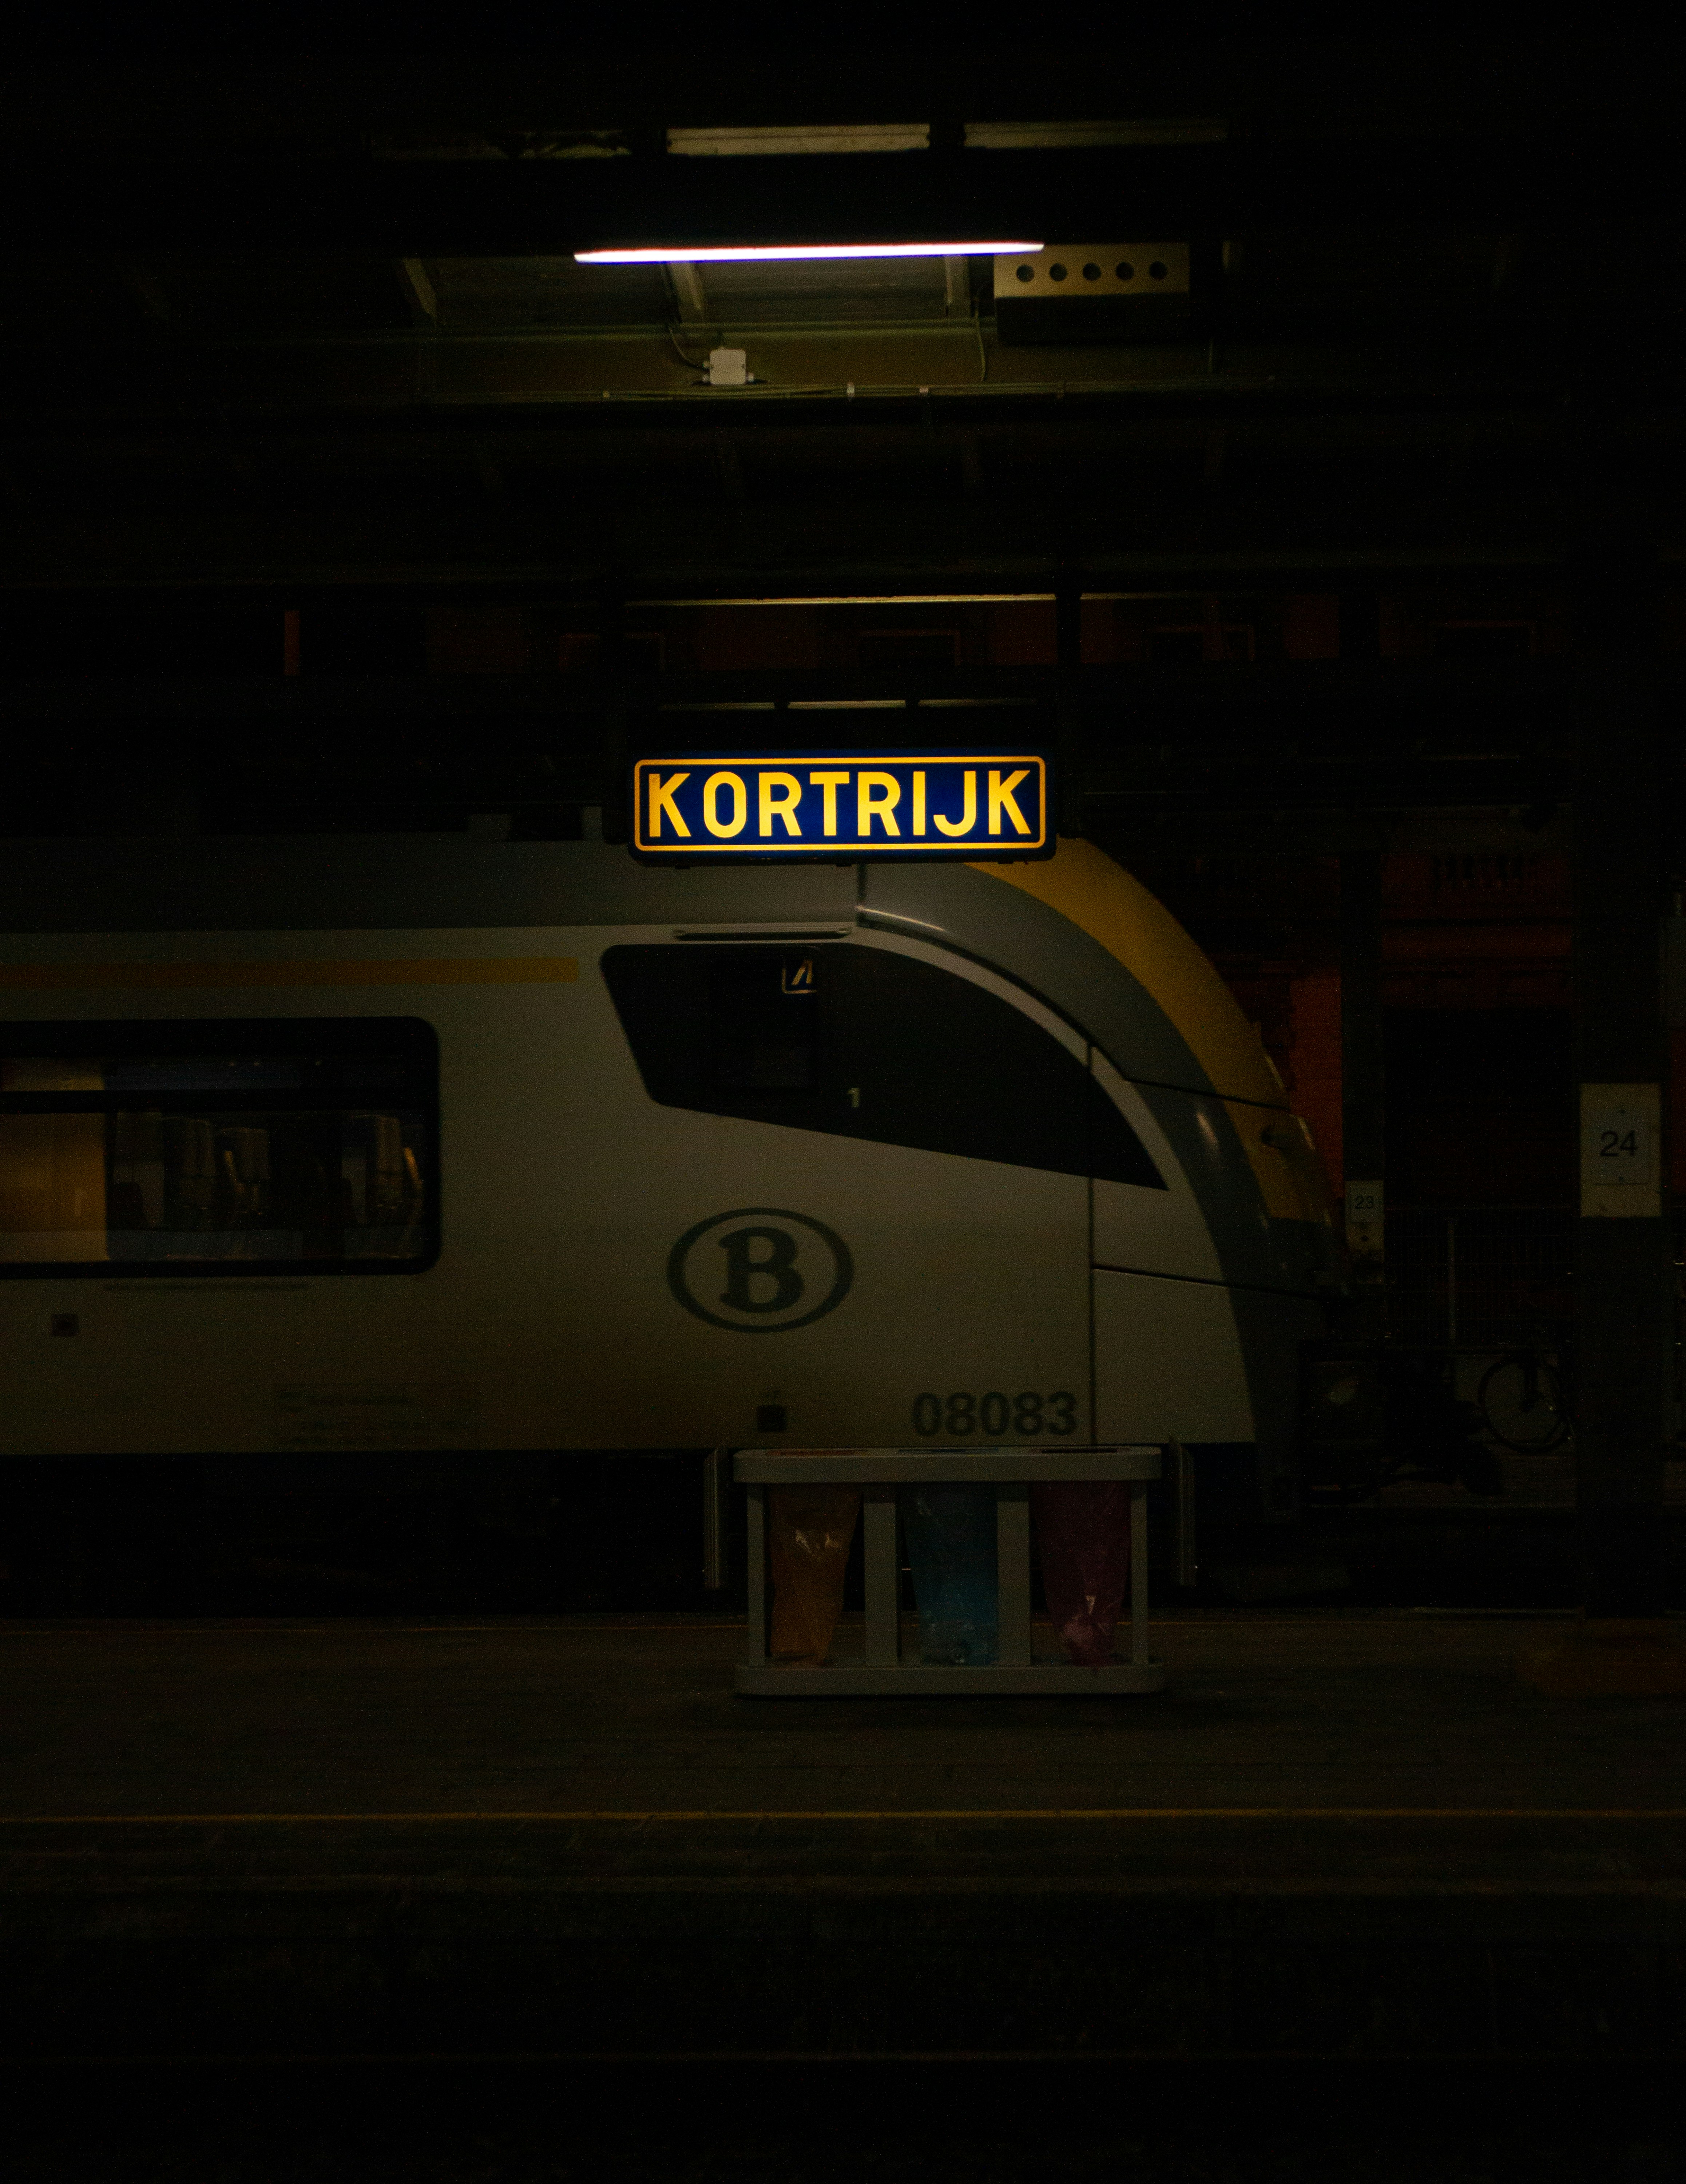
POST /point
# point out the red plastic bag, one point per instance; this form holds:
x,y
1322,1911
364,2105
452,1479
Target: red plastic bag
x,y
1083,1532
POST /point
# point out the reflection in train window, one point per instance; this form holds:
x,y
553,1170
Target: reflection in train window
x,y
864,1043
296,1146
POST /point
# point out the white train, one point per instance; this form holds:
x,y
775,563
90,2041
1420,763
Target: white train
x,y
343,1144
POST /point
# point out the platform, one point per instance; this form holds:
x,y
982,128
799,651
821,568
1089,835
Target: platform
x,y
1337,1836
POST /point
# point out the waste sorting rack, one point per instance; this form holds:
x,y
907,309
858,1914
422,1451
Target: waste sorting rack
x,y
881,1668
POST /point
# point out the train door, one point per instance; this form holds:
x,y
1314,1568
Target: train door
x,y
1169,1362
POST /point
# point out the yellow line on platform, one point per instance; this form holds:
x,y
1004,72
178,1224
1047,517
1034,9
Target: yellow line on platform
x,y
367,1625
358,1626
967,1813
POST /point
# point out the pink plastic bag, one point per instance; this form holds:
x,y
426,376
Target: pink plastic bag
x,y
1084,1535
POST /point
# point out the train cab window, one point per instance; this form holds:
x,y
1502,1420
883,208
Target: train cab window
x,y
864,1043
291,1146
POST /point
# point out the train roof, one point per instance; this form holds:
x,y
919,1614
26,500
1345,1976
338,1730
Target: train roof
x,y
1076,929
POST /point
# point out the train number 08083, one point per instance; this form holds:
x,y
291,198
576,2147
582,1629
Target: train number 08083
x,y
1024,1416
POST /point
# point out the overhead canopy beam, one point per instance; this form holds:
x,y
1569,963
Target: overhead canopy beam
x,y
1424,705
1524,182
807,373
475,548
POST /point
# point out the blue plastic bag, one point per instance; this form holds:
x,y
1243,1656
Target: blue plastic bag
x,y
949,1533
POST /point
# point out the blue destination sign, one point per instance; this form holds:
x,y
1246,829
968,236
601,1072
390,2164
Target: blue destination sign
x,y
795,804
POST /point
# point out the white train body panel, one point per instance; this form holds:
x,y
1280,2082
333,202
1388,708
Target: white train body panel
x,y
1168,1362
837,1291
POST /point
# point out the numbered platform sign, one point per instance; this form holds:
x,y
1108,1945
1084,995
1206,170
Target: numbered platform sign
x,y
795,806
1366,1219
1621,1173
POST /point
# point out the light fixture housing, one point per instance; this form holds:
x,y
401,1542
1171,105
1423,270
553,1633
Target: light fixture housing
x,y
668,253
1096,292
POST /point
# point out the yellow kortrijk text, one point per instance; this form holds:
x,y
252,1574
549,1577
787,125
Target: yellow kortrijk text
x,y
816,806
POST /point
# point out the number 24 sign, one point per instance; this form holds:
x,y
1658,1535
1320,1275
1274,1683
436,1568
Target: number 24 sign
x,y
1620,1127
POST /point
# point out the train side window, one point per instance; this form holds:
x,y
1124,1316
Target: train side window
x,y
293,1146
864,1043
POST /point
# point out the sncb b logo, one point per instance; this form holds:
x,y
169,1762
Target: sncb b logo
x,y
760,1270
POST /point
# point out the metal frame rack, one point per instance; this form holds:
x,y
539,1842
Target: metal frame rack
x,y
881,1668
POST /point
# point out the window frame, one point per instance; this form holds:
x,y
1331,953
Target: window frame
x,y
1008,993
162,1037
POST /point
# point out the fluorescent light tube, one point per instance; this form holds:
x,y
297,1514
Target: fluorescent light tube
x,y
668,253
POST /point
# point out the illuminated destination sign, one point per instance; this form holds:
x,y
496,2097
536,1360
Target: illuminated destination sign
x,y
798,804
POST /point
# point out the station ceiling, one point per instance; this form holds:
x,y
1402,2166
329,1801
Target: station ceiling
x,y
281,329
270,323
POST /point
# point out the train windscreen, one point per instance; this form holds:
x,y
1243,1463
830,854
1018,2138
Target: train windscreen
x,y
865,1042
292,1146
